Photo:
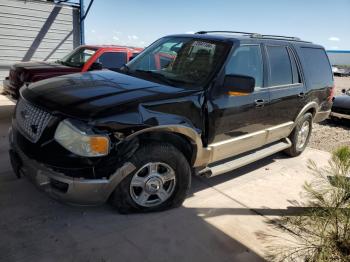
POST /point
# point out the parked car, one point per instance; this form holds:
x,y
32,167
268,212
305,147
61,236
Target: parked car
x,y
82,59
135,137
341,72
341,106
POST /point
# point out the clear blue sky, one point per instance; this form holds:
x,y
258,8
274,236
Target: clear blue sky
x,y
140,22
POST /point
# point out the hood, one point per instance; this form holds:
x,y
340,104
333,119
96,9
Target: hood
x,y
41,65
97,94
342,101
35,71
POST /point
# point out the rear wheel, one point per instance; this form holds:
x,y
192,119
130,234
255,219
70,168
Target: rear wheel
x,y
160,181
300,136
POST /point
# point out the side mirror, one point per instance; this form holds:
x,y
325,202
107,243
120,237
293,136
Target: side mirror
x,y
96,66
239,85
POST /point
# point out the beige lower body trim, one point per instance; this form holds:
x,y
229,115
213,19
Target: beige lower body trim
x,y
231,147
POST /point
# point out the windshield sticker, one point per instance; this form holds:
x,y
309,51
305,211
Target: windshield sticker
x,y
203,44
89,52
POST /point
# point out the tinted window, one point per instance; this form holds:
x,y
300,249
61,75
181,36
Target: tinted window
x,y
113,60
247,60
318,69
280,66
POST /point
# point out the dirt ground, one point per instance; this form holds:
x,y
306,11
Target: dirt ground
x,y
329,135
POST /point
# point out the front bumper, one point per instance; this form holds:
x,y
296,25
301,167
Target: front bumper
x,y
339,115
79,191
10,89
7,87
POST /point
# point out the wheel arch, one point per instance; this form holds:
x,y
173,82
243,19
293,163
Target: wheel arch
x,y
310,107
185,139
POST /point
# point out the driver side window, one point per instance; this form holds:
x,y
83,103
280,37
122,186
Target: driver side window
x,y
247,60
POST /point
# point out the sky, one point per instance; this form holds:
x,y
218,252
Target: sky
x,y
141,22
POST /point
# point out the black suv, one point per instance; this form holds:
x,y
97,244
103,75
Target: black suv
x,y
203,104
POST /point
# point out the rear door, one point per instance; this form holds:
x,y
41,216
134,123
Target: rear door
x,y
285,84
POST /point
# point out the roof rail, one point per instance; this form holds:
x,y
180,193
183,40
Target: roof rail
x,y
229,32
282,37
257,35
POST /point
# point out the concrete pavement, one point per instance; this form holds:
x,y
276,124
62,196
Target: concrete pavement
x,y
219,221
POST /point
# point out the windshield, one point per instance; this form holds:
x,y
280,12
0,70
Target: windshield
x,y
181,61
78,57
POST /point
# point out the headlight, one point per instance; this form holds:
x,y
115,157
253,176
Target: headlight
x,y
79,142
23,77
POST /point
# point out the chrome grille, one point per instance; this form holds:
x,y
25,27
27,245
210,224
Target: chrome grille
x,y
31,120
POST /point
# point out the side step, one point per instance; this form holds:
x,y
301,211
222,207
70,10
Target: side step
x,y
245,159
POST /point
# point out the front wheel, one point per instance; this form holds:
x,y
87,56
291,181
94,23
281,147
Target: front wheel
x,y
160,181
300,136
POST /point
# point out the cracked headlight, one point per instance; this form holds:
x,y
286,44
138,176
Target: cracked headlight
x,y
80,142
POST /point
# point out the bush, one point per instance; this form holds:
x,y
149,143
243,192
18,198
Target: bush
x,y
321,232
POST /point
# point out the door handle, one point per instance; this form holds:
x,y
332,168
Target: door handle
x,y
259,102
302,94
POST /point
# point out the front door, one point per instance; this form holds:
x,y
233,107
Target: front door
x,y
236,122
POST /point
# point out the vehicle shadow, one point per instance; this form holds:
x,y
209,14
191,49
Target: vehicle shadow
x,y
344,123
38,228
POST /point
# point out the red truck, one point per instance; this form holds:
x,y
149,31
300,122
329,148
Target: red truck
x,y
82,59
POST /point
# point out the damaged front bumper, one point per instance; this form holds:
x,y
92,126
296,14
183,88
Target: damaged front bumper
x,y
79,191
9,89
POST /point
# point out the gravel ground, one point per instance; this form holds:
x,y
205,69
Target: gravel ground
x,y
329,135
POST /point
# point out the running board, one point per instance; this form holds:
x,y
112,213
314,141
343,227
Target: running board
x,y
245,159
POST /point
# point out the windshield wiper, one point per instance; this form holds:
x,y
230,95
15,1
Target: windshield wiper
x,y
157,76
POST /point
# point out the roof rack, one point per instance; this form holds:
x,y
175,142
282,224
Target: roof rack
x,y
282,37
229,32
256,35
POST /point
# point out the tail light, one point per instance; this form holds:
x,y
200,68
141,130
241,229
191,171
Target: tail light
x,y
331,94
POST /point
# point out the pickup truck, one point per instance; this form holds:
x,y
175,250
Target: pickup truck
x,y
82,59
215,102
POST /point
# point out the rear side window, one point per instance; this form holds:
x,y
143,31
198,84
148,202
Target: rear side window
x,y
113,60
318,69
280,66
247,61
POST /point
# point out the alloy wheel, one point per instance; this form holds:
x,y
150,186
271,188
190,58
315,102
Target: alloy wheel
x,y
152,184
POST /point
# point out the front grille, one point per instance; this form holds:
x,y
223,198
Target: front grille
x,y
14,78
31,120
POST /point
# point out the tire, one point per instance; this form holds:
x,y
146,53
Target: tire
x,y
166,161
296,149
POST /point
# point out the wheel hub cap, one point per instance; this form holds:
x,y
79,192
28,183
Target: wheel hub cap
x,y
153,185
303,134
